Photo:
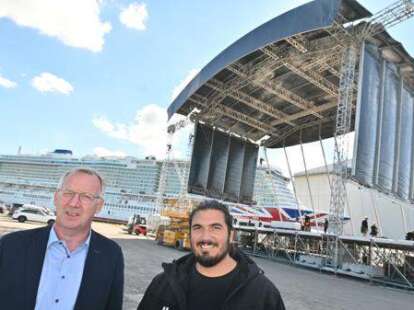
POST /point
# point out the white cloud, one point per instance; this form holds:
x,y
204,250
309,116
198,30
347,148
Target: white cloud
x,y
47,82
147,130
74,22
7,83
177,89
103,124
134,16
104,152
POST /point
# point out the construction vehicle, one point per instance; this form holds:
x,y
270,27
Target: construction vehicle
x,y
136,224
177,232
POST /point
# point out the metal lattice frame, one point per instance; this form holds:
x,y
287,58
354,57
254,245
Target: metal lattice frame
x,y
257,73
310,60
374,260
169,163
292,85
290,82
159,202
390,16
343,124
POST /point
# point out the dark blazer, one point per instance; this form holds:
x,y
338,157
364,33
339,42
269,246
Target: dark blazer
x,y
21,260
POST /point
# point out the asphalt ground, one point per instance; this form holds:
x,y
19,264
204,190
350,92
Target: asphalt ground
x,y
300,288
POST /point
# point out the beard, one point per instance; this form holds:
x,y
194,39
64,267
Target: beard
x,y
206,260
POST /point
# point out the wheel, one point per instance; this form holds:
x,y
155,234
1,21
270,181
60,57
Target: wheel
x,y
179,244
50,222
22,219
137,232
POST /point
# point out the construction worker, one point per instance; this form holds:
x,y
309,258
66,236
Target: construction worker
x,y
364,226
374,230
307,223
325,225
410,235
215,275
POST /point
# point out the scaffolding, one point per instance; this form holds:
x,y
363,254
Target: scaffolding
x,y
376,260
171,163
388,17
302,87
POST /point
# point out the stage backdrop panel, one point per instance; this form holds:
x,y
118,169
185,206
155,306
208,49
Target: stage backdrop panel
x,y
388,131
383,150
405,145
222,166
366,118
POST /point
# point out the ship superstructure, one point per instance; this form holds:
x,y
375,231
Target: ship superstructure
x,y
131,184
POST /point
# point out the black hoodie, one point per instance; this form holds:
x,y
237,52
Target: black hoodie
x,y
251,290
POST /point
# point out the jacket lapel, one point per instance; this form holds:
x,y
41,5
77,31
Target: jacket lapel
x,y
35,254
90,271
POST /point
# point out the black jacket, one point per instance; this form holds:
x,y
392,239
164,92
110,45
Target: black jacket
x,y
252,290
21,260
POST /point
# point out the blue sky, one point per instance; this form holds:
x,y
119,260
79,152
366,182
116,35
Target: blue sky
x,y
96,76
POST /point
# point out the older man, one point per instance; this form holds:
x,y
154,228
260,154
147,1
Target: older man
x,y
67,266
213,276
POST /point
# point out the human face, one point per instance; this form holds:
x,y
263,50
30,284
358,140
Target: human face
x,y
210,239
71,213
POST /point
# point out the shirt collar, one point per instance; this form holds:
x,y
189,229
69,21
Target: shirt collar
x,y
53,238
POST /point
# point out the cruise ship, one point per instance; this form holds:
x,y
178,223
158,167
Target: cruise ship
x,y
132,185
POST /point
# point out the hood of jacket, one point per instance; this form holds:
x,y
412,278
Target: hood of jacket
x,y
179,270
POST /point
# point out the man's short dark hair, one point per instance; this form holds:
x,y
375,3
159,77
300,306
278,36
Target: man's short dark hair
x,y
214,205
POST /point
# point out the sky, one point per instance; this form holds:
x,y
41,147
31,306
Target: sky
x,y
96,76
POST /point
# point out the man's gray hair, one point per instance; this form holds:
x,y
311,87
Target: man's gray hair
x,y
85,170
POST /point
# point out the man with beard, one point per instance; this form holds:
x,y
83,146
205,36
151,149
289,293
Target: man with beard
x,y
215,275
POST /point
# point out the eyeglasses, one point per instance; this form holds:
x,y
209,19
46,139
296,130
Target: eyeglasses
x,y
85,198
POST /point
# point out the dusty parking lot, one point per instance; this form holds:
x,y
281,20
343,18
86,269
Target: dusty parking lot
x,y
112,231
300,288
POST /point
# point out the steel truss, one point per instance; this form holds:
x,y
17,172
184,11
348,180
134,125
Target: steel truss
x,y
170,163
353,42
343,126
257,74
320,63
375,260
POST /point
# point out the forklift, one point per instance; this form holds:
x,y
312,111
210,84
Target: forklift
x,y
136,224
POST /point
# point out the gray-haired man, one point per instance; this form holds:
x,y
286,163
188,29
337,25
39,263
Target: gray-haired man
x,y
67,266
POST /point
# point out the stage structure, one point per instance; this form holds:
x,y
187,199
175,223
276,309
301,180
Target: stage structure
x,y
384,143
313,73
377,260
222,166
